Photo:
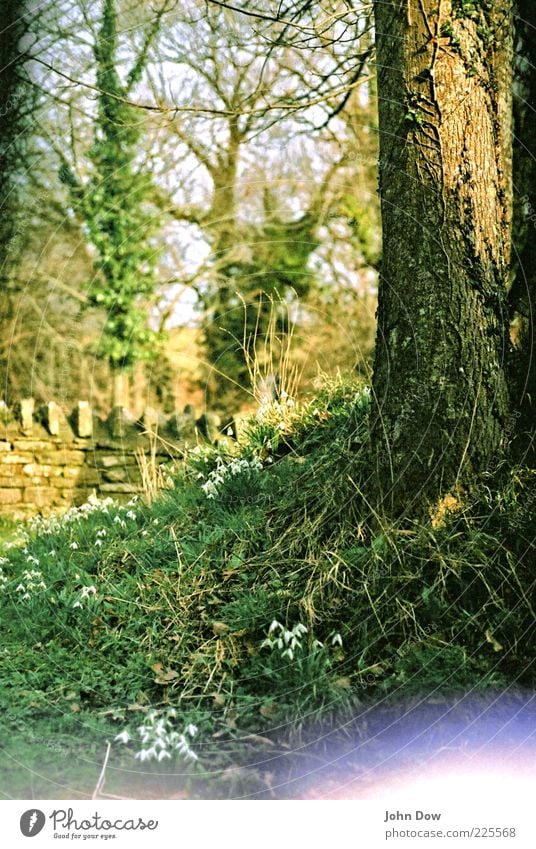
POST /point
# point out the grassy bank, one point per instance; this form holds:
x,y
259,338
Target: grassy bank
x,y
255,600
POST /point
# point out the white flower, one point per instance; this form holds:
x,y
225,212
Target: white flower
x,y
336,640
131,514
77,604
98,542
123,737
86,591
20,588
73,546
26,596
191,729
163,754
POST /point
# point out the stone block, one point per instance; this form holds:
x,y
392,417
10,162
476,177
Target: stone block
x,y
83,420
38,495
120,422
116,474
5,446
110,488
72,472
108,461
37,469
88,477
13,480
10,496
34,445
20,459
65,483
26,411
66,458
51,417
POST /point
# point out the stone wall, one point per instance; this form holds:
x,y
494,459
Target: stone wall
x,y
50,460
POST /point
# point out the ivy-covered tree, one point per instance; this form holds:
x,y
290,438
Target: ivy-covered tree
x,y
114,204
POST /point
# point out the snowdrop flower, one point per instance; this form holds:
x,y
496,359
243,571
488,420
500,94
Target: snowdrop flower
x,y
26,596
20,588
86,591
73,546
123,737
336,640
131,514
77,604
163,754
191,729
98,542
101,533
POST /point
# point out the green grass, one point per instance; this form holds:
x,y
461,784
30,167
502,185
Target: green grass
x,y
186,590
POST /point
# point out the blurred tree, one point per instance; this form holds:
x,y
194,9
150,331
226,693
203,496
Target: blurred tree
x,y
114,204
17,104
260,216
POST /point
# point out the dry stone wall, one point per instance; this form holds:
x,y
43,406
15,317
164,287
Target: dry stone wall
x,y
50,461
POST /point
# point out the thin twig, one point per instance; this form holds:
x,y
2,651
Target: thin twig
x,y
100,783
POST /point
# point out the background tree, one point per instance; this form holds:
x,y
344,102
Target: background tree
x,y
441,401
114,204
234,222
259,216
17,104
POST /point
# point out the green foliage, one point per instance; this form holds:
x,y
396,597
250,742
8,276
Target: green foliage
x,y
240,312
362,219
169,605
115,206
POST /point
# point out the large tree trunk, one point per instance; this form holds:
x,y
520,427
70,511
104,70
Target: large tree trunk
x,y
523,292
441,404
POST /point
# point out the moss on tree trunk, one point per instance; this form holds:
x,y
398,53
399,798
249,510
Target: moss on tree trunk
x,y
441,403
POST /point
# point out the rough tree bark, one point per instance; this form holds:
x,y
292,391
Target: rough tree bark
x,y
522,296
441,402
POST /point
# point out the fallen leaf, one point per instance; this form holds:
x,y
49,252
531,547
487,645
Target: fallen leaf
x,y
164,676
491,639
220,628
